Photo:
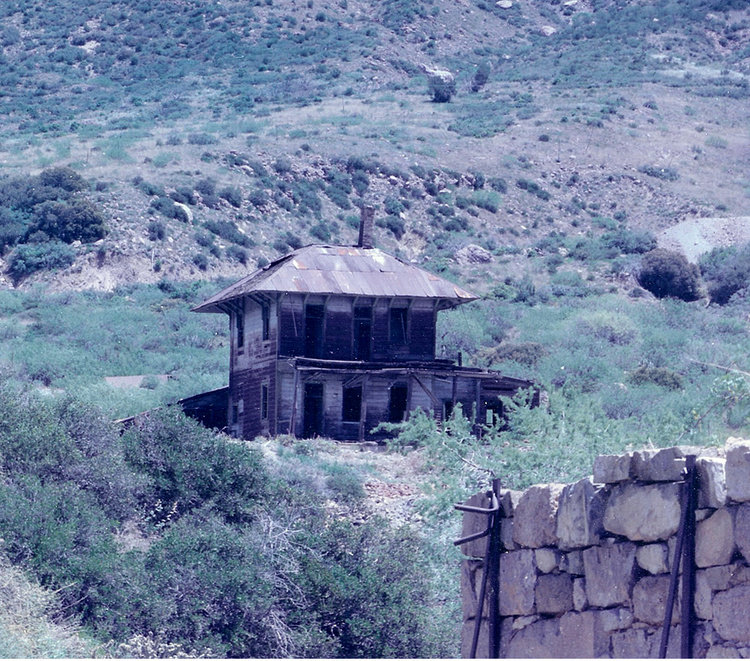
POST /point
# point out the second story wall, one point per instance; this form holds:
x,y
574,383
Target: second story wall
x,y
350,328
254,329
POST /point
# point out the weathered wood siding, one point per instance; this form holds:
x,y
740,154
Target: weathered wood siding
x,y
252,366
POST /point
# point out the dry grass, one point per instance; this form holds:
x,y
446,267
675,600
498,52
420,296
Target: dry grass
x,y
27,629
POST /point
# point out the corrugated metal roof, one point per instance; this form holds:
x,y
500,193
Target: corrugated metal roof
x,y
349,271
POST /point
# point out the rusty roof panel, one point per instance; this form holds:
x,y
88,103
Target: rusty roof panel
x,y
342,270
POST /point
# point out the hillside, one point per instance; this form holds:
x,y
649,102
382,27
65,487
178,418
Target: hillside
x,y
271,121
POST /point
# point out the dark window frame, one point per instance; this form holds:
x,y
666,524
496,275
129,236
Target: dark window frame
x,y
265,312
351,404
264,401
398,326
239,327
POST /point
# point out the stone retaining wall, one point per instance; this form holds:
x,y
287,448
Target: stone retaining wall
x,y
585,567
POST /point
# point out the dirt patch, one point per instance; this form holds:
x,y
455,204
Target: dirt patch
x,y
697,236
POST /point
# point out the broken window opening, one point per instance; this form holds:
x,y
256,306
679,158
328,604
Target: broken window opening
x,y
362,332
314,330
264,401
397,330
239,320
266,316
352,404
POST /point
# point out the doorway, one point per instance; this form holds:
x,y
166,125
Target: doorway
x,y
397,400
312,421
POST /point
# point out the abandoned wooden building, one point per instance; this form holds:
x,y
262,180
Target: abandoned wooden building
x,y
332,340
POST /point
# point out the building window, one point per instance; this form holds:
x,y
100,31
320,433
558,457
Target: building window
x,y
362,332
264,401
397,325
266,315
314,315
235,414
352,404
239,320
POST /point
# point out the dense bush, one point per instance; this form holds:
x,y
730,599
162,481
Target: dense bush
x,y
29,258
77,220
233,195
661,376
172,537
667,273
726,271
394,224
228,231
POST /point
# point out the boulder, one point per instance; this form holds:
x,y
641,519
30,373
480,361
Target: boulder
x,y
554,594
547,560
653,558
643,513
579,515
534,523
442,85
517,582
712,479
665,465
730,610
611,469
609,574
616,619
738,470
650,599
473,254
574,635
742,530
714,540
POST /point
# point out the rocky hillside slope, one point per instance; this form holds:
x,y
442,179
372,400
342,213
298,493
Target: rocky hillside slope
x,y
217,136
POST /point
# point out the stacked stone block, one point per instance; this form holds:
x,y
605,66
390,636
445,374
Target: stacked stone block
x,y
585,568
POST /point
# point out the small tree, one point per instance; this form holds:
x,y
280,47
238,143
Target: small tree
x,y
481,75
667,273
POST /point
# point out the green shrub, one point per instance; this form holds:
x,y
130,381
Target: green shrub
x,y
167,208
360,182
666,273
157,230
321,232
237,254
228,231
661,376
29,258
63,177
191,465
533,188
488,200
202,139
499,184
629,241
77,220
612,327
666,174
201,261
726,271
525,353
394,224
233,195
481,76
206,186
